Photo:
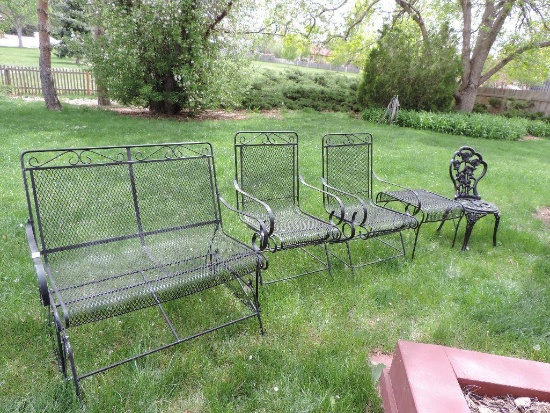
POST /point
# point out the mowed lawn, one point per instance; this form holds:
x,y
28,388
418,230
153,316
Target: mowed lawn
x,y
320,329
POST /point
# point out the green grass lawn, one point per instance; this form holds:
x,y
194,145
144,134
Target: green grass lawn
x,y
17,56
320,330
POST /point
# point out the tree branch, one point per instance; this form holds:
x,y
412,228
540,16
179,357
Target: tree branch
x,y
510,57
415,15
218,19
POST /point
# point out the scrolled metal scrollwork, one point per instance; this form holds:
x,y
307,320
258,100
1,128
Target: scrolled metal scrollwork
x,y
344,139
74,157
266,138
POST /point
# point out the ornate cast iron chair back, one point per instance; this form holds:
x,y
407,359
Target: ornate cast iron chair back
x,y
466,169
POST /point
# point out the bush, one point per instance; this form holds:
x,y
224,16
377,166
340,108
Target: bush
x,y
296,89
422,73
475,125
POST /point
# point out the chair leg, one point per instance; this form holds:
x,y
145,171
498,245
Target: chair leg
x,y
497,221
456,230
472,219
417,230
329,266
445,217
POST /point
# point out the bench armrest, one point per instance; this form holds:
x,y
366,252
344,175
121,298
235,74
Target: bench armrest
x,y
412,192
350,195
38,265
341,215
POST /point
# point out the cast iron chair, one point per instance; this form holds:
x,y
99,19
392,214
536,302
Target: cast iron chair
x,y
347,172
467,167
267,185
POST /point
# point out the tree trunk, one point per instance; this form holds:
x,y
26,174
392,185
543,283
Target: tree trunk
x,y
102,90
465,98
45,61
19,29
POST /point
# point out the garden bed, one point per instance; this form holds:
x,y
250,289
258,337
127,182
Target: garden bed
x,y
425,378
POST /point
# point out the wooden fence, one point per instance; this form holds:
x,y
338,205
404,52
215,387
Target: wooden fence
x,y
26,81
540,99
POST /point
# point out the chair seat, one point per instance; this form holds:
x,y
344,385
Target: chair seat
x,y
293,228
106,280
478,206
435,207
381,220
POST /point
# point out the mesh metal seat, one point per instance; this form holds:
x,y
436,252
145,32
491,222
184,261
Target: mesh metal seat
x,y
428,206
118,229
347,172
268,186
467,168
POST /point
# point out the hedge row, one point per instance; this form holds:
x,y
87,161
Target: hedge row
x,y
474,125
296,89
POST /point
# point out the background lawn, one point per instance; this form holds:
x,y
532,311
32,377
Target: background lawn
x,y
320,330
15,56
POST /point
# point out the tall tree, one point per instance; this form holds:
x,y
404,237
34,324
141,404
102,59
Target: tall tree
x,y
18,14
70,27
45,61
505,29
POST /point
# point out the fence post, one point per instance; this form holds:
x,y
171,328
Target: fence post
x,y
88,91
7,75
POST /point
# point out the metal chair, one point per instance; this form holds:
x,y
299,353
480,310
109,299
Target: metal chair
x,y
267,185
466,169
347,172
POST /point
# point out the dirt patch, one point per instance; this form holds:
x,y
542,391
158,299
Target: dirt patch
x,y
505,404
530,138
379,357
184,116
543,214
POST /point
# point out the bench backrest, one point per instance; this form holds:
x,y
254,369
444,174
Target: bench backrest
x,y
266,166
347,162
467,167
84,196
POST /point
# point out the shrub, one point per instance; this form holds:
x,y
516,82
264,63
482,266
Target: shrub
x,y
296,89
422,73
475,125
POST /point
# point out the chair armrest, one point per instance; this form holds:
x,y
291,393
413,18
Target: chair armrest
x,y
350,195
38,265
260,239
341,216
412,192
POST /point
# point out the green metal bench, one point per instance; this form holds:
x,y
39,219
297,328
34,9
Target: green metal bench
x,y
114,230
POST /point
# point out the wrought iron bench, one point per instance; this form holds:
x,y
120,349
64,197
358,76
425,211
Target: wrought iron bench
x,y
467,167
347,172
267,188
118,229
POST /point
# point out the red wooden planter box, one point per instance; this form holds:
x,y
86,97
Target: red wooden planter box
x,y
426,378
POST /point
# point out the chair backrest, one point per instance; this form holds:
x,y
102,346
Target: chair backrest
x,y
266,166
347,162
467,167
85,196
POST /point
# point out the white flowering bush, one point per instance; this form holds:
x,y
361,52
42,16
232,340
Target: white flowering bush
x,y
166,56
